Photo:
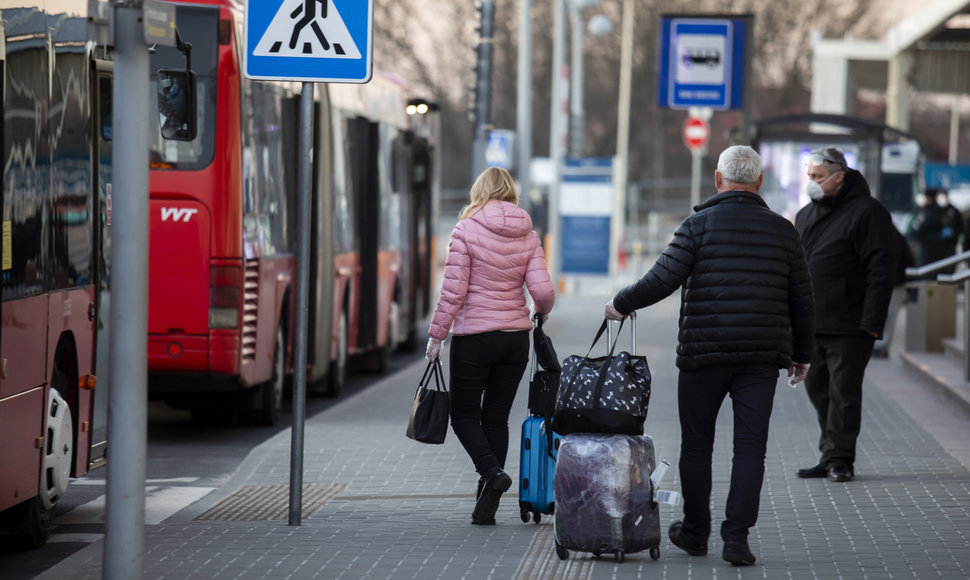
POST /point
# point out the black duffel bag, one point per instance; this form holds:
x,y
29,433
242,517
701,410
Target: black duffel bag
x,y
607,394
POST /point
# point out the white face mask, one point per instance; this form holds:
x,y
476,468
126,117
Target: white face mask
x,y
814,188
942,200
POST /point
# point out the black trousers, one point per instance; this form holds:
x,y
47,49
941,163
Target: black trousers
x,y
834,385
699,397
486,369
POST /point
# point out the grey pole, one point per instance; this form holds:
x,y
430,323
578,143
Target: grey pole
x,y
622,134
556,138
127,402
523,109
576,112
302,308
483,87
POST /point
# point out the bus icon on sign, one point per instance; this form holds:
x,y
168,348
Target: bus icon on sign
x,y
709,57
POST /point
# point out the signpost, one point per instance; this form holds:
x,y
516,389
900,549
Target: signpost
x,y
309,41
696,135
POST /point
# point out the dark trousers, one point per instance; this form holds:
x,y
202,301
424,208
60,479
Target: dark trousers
x,y
834,385
699,397
485,372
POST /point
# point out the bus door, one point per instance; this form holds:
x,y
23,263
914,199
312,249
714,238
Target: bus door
x,y
101,157
364,136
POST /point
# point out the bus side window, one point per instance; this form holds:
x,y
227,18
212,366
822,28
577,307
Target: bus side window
x,y
104,94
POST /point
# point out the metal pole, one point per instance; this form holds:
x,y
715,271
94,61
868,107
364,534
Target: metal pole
x,y
576,113
622,134
483,88
523,109
302,307
127,402
556,138
695,178
955,129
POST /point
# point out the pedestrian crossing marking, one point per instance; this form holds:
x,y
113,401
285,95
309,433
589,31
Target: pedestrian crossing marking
x,y
307,28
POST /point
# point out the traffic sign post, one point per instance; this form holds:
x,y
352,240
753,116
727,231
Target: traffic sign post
x,y
309,41
696,135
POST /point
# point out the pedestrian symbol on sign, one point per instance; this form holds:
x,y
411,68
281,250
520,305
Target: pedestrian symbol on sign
x,y
301,29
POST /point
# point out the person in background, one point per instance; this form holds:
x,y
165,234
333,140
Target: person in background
x,y
492,257
849,244
747,311
925,230
952,232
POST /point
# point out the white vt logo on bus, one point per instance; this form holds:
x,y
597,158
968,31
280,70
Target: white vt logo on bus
x,y
178,214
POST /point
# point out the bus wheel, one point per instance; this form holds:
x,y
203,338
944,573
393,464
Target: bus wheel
x,y
261,405
33,518
337,377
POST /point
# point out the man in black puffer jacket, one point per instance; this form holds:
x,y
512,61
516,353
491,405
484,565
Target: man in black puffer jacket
x,y
747,310
848,237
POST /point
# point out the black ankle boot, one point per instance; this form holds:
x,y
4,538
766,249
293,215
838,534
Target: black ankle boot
x,y
481,484
496,483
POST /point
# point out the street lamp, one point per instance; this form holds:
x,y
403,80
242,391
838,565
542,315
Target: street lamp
x,y
599,25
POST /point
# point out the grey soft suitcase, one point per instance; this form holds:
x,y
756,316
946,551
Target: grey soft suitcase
x,y
604,496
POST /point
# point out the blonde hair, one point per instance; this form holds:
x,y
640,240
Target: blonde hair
x,y
494,183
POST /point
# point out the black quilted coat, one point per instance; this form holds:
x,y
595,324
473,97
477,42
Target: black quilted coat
x,y
747,294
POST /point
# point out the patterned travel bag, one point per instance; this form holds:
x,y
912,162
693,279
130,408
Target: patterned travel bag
x,y
607,394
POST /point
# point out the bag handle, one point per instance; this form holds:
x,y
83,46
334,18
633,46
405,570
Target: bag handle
x,y
434,367
599,333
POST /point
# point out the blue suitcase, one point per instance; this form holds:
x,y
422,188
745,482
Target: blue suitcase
x,y
536,469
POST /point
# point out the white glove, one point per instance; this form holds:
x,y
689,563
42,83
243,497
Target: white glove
x,y
612,313
797,373
434,348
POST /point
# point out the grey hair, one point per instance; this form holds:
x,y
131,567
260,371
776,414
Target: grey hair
x,y
740,164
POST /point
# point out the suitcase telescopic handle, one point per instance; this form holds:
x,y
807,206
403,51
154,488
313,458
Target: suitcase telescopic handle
x,y
633,334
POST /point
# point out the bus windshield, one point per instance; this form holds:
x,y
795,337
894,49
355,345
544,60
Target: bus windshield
x,y
198,26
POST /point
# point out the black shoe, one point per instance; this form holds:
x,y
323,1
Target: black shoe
x,y
487,504
840,472
814,471
481,484
679,539
737,553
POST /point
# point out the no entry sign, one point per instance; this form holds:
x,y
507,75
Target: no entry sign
x,y
696,133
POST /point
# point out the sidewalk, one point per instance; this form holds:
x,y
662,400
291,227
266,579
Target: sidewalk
x,y
378,505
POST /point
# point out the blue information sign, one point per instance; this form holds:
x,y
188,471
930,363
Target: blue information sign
x,y
586,206
309,40
702,62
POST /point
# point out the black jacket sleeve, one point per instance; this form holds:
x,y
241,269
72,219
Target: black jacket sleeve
x,y
667,275
801,304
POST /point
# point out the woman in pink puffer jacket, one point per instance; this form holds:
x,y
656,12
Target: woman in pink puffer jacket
x,y
493,252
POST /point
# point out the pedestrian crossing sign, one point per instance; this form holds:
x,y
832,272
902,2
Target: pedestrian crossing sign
x,y
309,40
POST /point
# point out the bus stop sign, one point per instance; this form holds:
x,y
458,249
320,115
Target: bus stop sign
x,y
309,40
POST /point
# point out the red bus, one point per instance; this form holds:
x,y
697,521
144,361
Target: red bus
x,y
55,86
223,230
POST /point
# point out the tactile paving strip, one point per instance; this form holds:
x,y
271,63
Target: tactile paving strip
x,y
269,502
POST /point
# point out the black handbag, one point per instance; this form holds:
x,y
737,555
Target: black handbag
x,y
606,394
542,345
544,380
429,411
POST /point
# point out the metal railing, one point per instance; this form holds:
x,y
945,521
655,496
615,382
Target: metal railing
x,y
917,277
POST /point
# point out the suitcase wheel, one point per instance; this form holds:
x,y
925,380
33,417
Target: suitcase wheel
x,y
563,553
655,553
619,556
524,514
536,517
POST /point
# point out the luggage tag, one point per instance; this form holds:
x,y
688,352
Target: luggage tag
x,y
662,495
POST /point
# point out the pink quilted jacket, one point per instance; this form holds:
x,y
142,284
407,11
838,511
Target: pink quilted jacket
x,y
491,254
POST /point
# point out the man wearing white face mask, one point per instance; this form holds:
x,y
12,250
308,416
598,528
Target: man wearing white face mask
x,y
848,241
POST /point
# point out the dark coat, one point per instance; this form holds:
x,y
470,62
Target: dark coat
x,y
849,244
747,294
